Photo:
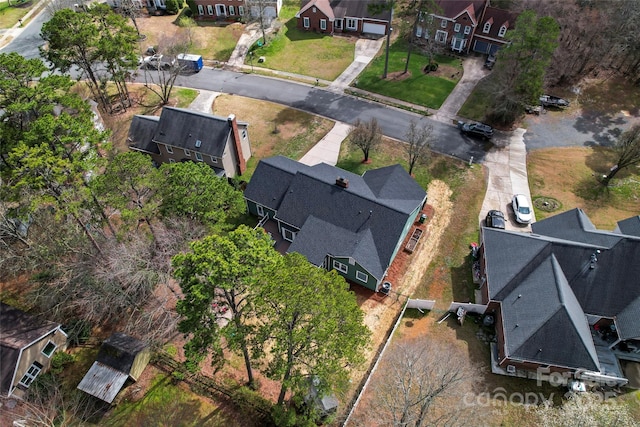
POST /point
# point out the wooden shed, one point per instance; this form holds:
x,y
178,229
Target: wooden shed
x,y
121,358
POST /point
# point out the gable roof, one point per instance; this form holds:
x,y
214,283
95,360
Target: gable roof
x,y
453,8
363,221
629,226
182,128
119,351
544,322
345,8
497,18
590,267
18,330
322,5
141,133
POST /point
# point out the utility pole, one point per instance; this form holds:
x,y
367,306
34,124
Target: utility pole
x,y
386,57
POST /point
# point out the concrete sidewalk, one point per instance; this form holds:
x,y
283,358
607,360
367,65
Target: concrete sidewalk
x,y
365,51
327,150
204,101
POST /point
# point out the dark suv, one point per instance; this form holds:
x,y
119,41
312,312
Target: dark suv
x,y
476,129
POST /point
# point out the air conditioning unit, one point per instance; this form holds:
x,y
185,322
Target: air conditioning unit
x,y
511,369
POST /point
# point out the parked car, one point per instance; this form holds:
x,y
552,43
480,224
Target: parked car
x,y
521,208
490,62
476,129
157,62
495,219
553,101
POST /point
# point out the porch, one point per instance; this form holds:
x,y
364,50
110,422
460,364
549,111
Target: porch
x,y
271,227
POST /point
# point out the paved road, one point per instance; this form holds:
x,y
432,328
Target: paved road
x,y
394,122
28,41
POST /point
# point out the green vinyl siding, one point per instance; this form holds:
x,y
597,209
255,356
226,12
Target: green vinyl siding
x,y
351,274
252,208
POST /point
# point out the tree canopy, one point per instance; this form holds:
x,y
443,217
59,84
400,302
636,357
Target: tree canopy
x,y
518,77
99,43
627,149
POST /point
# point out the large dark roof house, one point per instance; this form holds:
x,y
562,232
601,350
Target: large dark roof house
x,y
336,219
27,345
180,135
466,25
566,299
343,16
121,358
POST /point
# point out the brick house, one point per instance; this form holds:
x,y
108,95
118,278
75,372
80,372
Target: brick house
x,y
236,10
179,135
342,16
467,25
565,299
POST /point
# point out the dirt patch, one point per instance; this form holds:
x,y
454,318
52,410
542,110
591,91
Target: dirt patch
x,y
398,76
446,72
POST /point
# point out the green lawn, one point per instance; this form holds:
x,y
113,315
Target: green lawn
x,y
166,404
303,52
429,90
476,106
9,15
184,96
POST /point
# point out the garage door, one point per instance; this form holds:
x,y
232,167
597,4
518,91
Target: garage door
x,y
373,28
479,46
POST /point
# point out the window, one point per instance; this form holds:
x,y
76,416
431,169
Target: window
x,y
467,29
443,23
340,266
314,9
49,348
31,374
441,36
487,27
288,235
172,160
244,134
187,153
260,210
232,10
198,156
352,24
210,9
213,159
169,149
220,10
337,24
456,28
418,31
323,24
200,9
198,143
362,276
305,21
241,10
502,32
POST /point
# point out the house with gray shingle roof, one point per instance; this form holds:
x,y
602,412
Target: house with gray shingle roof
x,y
338,220
566,298
180,135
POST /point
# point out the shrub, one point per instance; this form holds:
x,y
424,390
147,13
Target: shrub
x,y
193,8
172,7
59,361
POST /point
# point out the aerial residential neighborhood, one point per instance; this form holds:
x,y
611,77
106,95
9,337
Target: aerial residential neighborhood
x,y
319,212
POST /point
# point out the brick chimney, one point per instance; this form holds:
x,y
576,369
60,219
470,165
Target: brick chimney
x,y
237,143
342,182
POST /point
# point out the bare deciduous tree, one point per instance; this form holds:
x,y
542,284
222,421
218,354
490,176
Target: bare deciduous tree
x,y
422,382
366,136
418,144
627,147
